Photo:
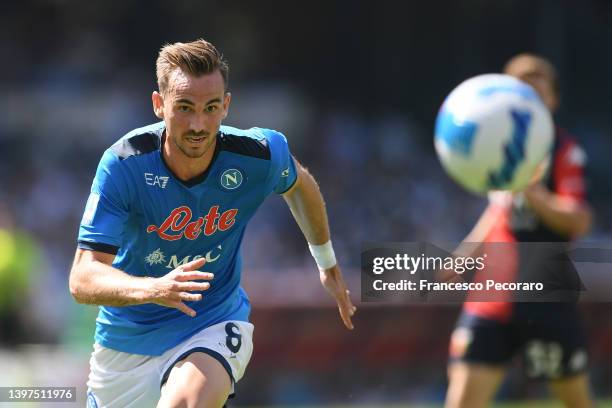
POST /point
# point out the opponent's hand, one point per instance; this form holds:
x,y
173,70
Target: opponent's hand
x,y
173,289
333,281
540,172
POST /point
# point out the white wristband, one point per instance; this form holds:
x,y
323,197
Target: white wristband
x,y
323,255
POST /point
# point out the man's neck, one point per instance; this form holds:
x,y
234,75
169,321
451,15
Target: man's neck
x,y
182,166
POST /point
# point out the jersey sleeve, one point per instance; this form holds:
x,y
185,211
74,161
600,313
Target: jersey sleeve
x,y
107,208
283,174
569,172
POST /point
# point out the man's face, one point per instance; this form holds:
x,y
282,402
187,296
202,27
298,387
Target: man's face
x,y
193,108
537,74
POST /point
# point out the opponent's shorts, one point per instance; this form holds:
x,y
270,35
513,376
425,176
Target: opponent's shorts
x,y
552,340
124,380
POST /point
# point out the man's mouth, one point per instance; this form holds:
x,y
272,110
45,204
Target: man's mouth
x,y
194,139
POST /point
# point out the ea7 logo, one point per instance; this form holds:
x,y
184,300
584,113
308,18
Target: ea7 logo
x,y
153,180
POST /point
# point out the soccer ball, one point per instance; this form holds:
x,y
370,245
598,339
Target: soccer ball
x,y
492,133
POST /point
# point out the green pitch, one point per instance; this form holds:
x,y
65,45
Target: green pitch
x,y
518,404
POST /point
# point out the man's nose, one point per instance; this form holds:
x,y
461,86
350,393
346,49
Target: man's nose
x,y
198,123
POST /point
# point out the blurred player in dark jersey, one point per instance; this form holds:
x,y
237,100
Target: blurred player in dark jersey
x,y
550,335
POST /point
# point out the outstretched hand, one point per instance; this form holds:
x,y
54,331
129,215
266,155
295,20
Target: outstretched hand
x,y
174,288
332,280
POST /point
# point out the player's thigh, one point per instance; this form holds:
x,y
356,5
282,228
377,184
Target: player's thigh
x,y
479,351
122,380
573,391
198,381
472,385
227,346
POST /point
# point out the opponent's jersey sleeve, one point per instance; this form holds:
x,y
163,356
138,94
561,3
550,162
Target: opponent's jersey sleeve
x,y
569,171
283,173
107,208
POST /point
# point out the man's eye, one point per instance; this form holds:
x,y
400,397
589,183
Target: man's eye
x,y
211,108
184,108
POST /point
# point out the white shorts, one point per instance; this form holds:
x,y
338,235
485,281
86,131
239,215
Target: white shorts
x,y
124,380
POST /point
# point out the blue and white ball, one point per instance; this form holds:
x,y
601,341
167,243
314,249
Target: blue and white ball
x,y
492,133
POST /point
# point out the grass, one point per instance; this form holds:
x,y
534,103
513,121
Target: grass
x,y
517,404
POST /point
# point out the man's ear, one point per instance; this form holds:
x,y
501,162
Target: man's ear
x,y
158,104
227,98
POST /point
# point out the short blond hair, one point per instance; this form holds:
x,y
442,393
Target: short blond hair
x,y
196,58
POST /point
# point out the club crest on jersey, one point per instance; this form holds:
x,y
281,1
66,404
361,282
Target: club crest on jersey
x,y
231,179
179,223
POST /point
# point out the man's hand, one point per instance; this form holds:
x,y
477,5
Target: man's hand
x,y
334,283
173,289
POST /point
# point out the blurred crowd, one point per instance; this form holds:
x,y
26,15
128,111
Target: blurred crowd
x,y
354,86
357,104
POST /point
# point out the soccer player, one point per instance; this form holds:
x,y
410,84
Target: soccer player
x,y
170,199
550,335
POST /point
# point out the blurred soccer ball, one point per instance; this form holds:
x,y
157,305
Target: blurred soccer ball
x,y
492,133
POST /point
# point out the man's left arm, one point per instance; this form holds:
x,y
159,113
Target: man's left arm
x,y
564,210
565,215
308,208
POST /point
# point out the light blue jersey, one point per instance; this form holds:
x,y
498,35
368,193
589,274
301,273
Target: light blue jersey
x,y
154,222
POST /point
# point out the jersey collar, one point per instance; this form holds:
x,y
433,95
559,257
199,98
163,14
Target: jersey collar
x,y
199,178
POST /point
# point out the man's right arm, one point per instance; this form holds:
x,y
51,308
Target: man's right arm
x,y
93,280
472,244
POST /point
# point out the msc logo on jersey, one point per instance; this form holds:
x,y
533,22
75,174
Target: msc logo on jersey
x,y
157,257
153,180
231,179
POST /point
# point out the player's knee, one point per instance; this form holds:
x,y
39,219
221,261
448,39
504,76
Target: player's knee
x,y
472,386
573,391
210,396
458,397
186,399
463,399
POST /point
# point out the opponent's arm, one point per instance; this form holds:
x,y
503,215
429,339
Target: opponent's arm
x,y
472,244
565,209
565,215
308,209
93,280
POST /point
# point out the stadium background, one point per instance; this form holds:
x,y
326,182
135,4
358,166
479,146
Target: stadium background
x,y
355,86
